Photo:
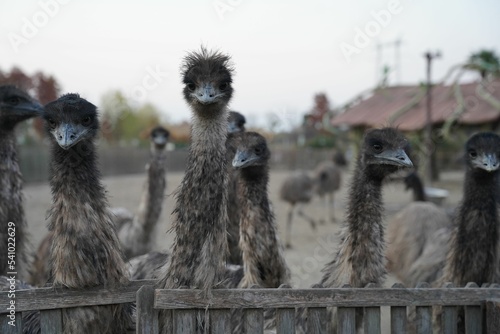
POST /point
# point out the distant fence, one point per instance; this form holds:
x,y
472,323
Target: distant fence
x,y
480,306
34,161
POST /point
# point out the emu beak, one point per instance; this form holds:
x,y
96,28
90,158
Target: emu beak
x,y
67,134
243,159
160,140
395,157
23,111
205,94
232,127
31,108
488,162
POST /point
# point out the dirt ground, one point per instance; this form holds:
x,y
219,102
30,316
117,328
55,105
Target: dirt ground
x,y
311,249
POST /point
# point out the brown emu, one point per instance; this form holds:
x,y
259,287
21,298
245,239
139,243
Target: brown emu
x,y
362,235
328,177
473,248
15,106
360,258
134,232
201,200
417,238
263,260
85,249
136,235
297,189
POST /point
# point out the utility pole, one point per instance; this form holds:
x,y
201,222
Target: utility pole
x,y
428,124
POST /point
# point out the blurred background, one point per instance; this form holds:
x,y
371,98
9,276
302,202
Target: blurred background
x,y
310,76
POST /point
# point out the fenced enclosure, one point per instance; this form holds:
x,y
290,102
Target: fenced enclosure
x,y
481,307
34,161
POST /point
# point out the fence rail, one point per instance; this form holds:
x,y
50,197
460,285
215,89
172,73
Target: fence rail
x,y
481,307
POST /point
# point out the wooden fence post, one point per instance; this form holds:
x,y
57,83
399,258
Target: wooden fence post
x,y
147,316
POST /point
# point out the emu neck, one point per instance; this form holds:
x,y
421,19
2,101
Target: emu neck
x,y
153,196
200,245
11,204
85,249
473,252
418,192
263,259
360,259
255,180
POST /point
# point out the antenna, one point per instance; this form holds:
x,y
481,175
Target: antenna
x,y
397,59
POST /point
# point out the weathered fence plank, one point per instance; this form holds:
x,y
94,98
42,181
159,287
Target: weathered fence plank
x,y
6,328
147,316
285,320
220,321
449,315
51,321
372,320
449,319
473,315
492,316
346,320
474,320
398,319
53,298
424,320
253,321
288,298
184,321
316,320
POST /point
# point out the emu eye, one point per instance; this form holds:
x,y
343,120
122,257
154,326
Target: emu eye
x,y
258,150
191,86
223,86
51,122
14,100
472,154
377,147
87,120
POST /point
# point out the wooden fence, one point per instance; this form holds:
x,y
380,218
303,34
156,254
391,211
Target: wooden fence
x,y
481,307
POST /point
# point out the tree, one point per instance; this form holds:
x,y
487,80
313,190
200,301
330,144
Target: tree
x,y
43,87
124,122
485,62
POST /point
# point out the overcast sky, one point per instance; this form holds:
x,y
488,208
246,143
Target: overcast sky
x,y
284,51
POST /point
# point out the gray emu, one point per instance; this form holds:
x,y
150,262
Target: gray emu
x,y
134,232
201,201
16,106
85,249
328,178
136,235
417,238
263,260
360,258
297,189
473,249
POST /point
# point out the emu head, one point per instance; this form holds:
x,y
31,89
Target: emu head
x,y
252,150
384,152
70,120
16,106
159,137
207,81
483,152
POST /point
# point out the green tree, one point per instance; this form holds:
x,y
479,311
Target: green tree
x,y
124,122
485,62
